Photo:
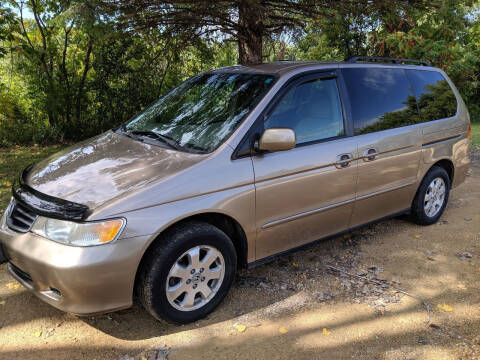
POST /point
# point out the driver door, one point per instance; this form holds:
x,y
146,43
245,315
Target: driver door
x,y
308,192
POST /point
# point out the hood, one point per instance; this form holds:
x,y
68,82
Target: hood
x,y
106,167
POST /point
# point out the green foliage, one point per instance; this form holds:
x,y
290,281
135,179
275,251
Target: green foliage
x,y
476,136
316,45
447,37
69,73
7,18
13,161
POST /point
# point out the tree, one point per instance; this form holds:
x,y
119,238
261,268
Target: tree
x,y
445,36
247,22
74,68
48,42
65,76
6,19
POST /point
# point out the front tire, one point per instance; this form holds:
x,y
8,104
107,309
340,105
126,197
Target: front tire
x,y
432,197
187,272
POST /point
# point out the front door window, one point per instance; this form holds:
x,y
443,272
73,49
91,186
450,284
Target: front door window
x,y
312,109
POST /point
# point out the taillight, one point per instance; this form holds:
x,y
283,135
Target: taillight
x,y
469,132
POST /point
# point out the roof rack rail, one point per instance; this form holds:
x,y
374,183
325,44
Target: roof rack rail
x,y
354,59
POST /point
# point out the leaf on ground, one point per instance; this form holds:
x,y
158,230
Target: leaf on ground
x,y
417,236
445,307
283,330
295,264
3,302
12,285
38,334
326,332
240,328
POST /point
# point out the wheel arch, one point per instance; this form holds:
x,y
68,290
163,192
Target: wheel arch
x,y
229,226
224,222
448,166
417,211
445,164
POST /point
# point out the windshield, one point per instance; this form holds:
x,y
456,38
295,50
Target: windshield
x,y
203,111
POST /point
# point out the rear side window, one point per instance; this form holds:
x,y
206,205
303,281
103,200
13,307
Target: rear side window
x,y
380,98
435,98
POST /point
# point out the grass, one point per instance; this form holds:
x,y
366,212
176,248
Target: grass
x,y
476,135
15,159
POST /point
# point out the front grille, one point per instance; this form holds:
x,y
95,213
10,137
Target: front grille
x,y
19,218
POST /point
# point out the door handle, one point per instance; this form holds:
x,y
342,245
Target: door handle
x,y
370,154
343,160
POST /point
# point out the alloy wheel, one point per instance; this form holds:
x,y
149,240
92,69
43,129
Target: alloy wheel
x,y
434,197
195,278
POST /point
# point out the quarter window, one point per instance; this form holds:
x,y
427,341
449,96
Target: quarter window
x,y
435,98
312,109
381,99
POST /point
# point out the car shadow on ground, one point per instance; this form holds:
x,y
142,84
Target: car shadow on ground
x,y
260,345
137,324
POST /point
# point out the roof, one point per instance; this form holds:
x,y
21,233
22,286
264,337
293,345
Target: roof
x,y
281,67
273,67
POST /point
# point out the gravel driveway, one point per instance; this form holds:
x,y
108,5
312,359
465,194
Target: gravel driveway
x,y
394,290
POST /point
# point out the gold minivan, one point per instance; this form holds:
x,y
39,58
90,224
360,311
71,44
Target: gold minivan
x,y
233,167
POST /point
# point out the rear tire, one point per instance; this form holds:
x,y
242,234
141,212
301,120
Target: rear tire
x,y
187,272
432,197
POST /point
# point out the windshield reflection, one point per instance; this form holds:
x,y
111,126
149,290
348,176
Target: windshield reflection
x,y
203,111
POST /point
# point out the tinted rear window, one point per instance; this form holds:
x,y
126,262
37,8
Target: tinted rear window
x,y
380,98
435,98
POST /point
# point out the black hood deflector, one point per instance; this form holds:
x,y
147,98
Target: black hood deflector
x,y
46,205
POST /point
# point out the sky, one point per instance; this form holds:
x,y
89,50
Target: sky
x,y
27,13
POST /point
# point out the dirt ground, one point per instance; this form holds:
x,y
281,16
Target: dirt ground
x,y
298,307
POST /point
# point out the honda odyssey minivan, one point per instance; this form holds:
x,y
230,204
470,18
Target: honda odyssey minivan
x,y
233,167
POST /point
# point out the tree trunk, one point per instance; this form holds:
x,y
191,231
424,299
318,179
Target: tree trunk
x,y
250,34
86,68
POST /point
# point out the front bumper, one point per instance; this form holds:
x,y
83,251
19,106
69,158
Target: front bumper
x,y
79,280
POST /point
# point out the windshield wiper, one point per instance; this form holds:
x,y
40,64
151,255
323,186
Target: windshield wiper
x,y
165,139
123,130
140,134
195,148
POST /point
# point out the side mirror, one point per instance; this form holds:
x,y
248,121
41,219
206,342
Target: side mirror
x,y
277,139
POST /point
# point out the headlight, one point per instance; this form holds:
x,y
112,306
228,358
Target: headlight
x,y
78,234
